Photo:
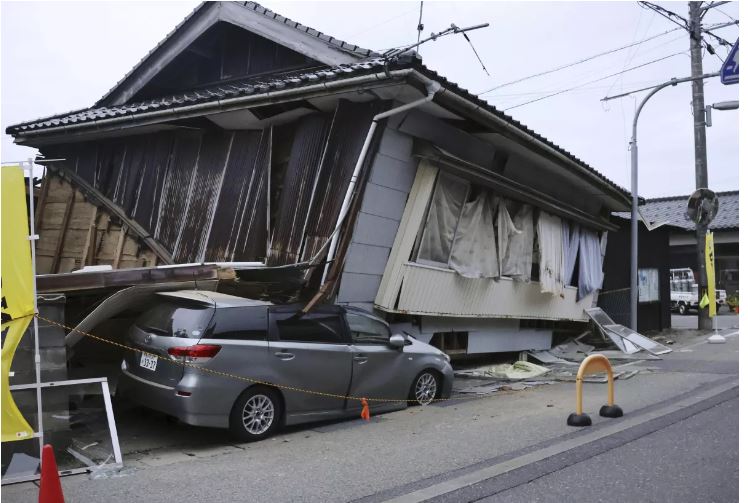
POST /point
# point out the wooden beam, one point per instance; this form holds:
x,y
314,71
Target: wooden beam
x,y
90,239
86,188
120,246
63,230
44,189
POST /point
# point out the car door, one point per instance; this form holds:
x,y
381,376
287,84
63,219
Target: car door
x,y
313,353
379,370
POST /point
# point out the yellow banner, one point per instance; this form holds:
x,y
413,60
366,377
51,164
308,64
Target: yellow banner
x,y
17,292
14,426
710,287
17,278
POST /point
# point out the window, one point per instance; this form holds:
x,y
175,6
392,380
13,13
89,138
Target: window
x,y
176,319
649,285
310,328
366,330
447,200
240,323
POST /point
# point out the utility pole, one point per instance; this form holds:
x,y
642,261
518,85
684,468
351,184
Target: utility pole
x,y
699,137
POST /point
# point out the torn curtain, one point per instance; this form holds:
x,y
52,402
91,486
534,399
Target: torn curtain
x,y
550,246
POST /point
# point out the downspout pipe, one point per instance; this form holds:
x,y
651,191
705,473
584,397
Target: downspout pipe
x,y
431,88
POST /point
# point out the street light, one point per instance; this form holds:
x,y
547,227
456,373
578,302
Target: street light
x,y
722,105
634,299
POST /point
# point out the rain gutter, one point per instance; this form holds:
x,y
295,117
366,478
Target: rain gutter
x,y
225,105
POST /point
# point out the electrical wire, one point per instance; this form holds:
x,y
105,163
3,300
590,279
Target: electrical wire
x,y
595,80
578,62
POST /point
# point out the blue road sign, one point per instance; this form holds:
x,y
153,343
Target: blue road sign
x,y
729,73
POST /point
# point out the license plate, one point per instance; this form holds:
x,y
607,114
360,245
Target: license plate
x,y
148,361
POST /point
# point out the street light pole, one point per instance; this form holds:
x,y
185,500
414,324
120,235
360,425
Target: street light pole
x,y
634,299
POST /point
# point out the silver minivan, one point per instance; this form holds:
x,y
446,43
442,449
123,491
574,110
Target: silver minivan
x,y
308,364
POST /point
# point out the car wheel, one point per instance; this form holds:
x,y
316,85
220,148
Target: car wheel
x,y
256,414
682,309
426,387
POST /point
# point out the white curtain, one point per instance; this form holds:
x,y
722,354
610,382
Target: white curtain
x,y
571,249
590,263
504,230
550,246
474,249
446,204
518,260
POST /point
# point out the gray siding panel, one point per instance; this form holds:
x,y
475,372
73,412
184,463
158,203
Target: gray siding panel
x,y
393,173
396,144
355,287
366,259
383,201
374,230
391,178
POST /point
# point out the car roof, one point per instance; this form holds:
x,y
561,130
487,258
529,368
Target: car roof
x,y
216,299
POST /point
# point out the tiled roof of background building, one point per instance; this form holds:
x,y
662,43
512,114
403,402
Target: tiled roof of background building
x,y
672,210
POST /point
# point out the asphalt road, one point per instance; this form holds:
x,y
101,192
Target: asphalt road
x,y
691,321
692,460
400,453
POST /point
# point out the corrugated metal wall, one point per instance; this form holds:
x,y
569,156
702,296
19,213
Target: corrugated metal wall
x,y
203,195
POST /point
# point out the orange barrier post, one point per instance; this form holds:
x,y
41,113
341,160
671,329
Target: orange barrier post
x,y
50,488
591,365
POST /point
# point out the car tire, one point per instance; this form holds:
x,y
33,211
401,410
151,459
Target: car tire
x,y
425,388
682,309
256,414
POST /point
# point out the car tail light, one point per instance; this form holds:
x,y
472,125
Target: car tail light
x,y
197,353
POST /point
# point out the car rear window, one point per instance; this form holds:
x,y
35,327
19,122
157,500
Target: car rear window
x,y
176,319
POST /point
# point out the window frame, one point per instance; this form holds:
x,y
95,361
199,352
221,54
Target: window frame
x,y
372,319
422,229
281,314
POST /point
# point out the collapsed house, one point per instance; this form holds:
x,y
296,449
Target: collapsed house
x,y
247,149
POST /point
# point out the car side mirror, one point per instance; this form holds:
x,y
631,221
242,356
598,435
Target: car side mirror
x,y
397,341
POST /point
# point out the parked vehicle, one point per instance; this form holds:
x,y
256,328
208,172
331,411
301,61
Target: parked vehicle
x,y
684,292
296,369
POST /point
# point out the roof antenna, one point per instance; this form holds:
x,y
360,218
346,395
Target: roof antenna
x,y
472,47
420,27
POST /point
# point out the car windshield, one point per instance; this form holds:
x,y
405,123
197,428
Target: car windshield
x,y
176,319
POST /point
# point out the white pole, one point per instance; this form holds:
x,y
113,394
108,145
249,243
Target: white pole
x,y
37,356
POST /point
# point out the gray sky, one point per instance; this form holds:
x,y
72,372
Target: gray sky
x,y
61,56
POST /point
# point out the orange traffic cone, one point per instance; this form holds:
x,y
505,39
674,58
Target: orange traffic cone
x,y
50,488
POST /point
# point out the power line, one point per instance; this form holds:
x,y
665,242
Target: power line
x,y
593,81
584,60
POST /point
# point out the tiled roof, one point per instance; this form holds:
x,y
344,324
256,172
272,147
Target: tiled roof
x,y
672,210
285,80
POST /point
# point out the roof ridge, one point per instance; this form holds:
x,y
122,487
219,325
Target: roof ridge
x,y
675,198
